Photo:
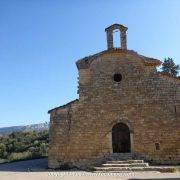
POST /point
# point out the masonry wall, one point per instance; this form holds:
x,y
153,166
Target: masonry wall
x,y
147,103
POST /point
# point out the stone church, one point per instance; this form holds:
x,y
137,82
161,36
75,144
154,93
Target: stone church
x,y
124,106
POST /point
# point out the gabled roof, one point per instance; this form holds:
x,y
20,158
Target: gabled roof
x,y
63,106
85,62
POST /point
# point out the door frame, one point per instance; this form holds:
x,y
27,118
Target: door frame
x,y
126,122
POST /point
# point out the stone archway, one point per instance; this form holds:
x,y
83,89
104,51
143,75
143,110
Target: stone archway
x,y
121,140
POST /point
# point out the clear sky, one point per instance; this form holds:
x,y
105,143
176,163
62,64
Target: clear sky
x,y
40,41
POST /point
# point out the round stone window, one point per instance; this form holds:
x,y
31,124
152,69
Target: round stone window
x,y
117,77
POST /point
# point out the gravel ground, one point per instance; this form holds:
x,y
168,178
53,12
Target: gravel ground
x,y
37,170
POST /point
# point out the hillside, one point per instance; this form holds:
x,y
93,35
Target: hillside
x,y
33,127
23,145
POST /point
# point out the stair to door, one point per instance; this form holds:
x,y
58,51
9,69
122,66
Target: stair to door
x,y
123,165
118,162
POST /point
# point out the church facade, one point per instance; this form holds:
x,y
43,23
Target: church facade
x,y
124,106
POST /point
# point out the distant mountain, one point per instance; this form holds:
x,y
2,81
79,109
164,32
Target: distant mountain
x,y
33,127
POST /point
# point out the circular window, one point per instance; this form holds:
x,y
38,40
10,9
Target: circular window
x,y
117,77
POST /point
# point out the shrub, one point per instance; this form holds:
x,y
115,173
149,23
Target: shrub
x,y
24,145
20,156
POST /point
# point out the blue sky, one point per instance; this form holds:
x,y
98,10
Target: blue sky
x,y
40,41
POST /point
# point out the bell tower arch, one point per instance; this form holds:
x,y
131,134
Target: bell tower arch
x,y
123,38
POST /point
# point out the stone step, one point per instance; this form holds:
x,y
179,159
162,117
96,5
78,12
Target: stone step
x,y
126,165
119,169
112,169
119,156
126,162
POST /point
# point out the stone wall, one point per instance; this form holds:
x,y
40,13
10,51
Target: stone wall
x,y
149,104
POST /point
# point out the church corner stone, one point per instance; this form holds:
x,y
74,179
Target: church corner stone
x,y
124,105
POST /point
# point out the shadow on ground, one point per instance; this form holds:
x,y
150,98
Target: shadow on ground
x,y
37,165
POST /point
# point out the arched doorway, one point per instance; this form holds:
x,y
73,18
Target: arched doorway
x,y
121,138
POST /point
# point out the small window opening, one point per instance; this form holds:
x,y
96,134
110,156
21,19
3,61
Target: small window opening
x,y
157,145
117,77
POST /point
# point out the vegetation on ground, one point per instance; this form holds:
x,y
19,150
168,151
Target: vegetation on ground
x,y
24,145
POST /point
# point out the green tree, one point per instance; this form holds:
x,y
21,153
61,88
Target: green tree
x,y
43,149
3,152
24,145
169,67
